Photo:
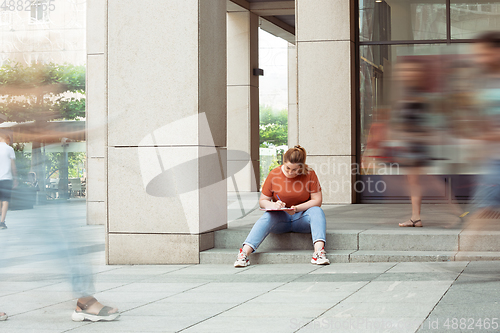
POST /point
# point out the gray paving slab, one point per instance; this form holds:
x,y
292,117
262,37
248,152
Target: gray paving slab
x,y
363,325
281,269
427,267
261,278
247,324
467,310
327,287
194,309
298,297
258,309
355,268
345,277
236,287
379,310
473,292
156,287
213,297
401,292
436,276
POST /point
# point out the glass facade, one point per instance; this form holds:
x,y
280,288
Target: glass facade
x,y
436,35
392,20
42,99
469,17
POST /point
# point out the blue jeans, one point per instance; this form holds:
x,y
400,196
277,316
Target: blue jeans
x,y
487,191
309,221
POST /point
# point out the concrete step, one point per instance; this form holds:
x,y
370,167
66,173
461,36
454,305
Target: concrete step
x,y
390,239
228,256
233,239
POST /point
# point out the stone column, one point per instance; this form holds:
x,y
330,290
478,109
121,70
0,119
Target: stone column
x,y
166,158
96,113
326,98
242,101
293,123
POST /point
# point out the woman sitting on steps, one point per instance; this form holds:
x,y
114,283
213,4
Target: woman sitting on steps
x,y
296,186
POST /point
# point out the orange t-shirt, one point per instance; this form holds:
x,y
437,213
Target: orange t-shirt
x,y
292,191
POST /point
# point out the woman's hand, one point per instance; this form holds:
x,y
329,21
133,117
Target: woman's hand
x,y
279,204
291,212
316,200
268,203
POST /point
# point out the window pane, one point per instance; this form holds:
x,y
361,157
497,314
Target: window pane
x,y
470,17
402,20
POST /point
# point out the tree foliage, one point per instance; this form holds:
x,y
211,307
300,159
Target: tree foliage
x,y
273,127
42,92
55,161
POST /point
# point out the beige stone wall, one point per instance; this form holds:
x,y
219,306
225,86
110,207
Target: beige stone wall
x,y
161,160
293,116
326,99
242,100
96,112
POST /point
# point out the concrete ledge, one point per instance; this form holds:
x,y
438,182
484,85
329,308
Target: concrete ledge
x,y
338,240
401,256
416,239
479,241
476,256
228,256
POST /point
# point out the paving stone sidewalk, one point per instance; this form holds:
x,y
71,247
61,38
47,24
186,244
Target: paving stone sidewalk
x,y
353,297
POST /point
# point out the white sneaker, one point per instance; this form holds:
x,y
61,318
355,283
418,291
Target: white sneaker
x,y
319,258
242,260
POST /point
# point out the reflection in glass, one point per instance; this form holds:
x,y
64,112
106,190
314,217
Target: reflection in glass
x,y
470,17
449,90
402,20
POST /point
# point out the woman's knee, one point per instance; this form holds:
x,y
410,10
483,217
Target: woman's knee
x,y
267,219
316,211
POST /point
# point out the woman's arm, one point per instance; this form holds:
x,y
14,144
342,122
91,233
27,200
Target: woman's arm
x,y
316,200
267,203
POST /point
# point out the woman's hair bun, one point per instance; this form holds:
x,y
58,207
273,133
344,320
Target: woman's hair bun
x,y
297,155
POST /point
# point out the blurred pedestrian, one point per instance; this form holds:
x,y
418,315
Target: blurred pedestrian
x,y
8,174
55,232
487,57
410,128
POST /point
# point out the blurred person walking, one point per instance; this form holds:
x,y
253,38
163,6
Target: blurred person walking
x,y
60,236
487,57
55,232
410,128
413,132
8,181
8,174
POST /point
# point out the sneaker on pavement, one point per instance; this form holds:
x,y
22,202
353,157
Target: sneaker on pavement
x,y
242,260
319,258
2,225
